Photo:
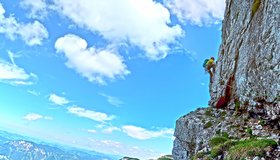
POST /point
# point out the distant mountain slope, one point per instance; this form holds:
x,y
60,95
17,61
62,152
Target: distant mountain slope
x,y
14,147
166,157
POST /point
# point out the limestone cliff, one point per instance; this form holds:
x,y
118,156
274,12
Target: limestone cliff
x,y
249,58
246,84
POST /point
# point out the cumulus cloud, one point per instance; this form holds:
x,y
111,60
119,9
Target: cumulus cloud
x,y
143,134
37,8
198,12
14,75
35,116
58,100
31,33
145,24
93,115
94,64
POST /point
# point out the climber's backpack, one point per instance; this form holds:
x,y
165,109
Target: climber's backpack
x,y
204,63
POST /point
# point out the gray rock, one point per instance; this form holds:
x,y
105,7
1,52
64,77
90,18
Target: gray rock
x,y
259,127
179,152
256,132
250,56
257,158
190,135
250,52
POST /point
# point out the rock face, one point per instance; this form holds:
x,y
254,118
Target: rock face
x,y
248,65
194,131
246,81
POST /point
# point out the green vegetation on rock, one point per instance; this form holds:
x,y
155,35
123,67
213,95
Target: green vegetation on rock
x,y
199,155
249,131
216,151
239,149
166,157
217,140
237,105
228,144
208,124
225,134
220,144
224,113
250,148
208,112
255,7
262,122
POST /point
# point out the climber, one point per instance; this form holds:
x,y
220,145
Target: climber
x,y
208,64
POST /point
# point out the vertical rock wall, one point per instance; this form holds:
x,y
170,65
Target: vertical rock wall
x,y
248,69
250,55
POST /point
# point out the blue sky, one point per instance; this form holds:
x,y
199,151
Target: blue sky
x,y
110,76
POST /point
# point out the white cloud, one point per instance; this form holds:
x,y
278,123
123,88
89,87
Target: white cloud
x,y
11,71
35,116
96,116
145,23
198,12
107,129
37,8
100,126
31,33
32,117
2,10
202,83
115,101
12,56
58,100
48,118
92,63
34,93
21,83
92,131
118,148
12,74
110,130
143,134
